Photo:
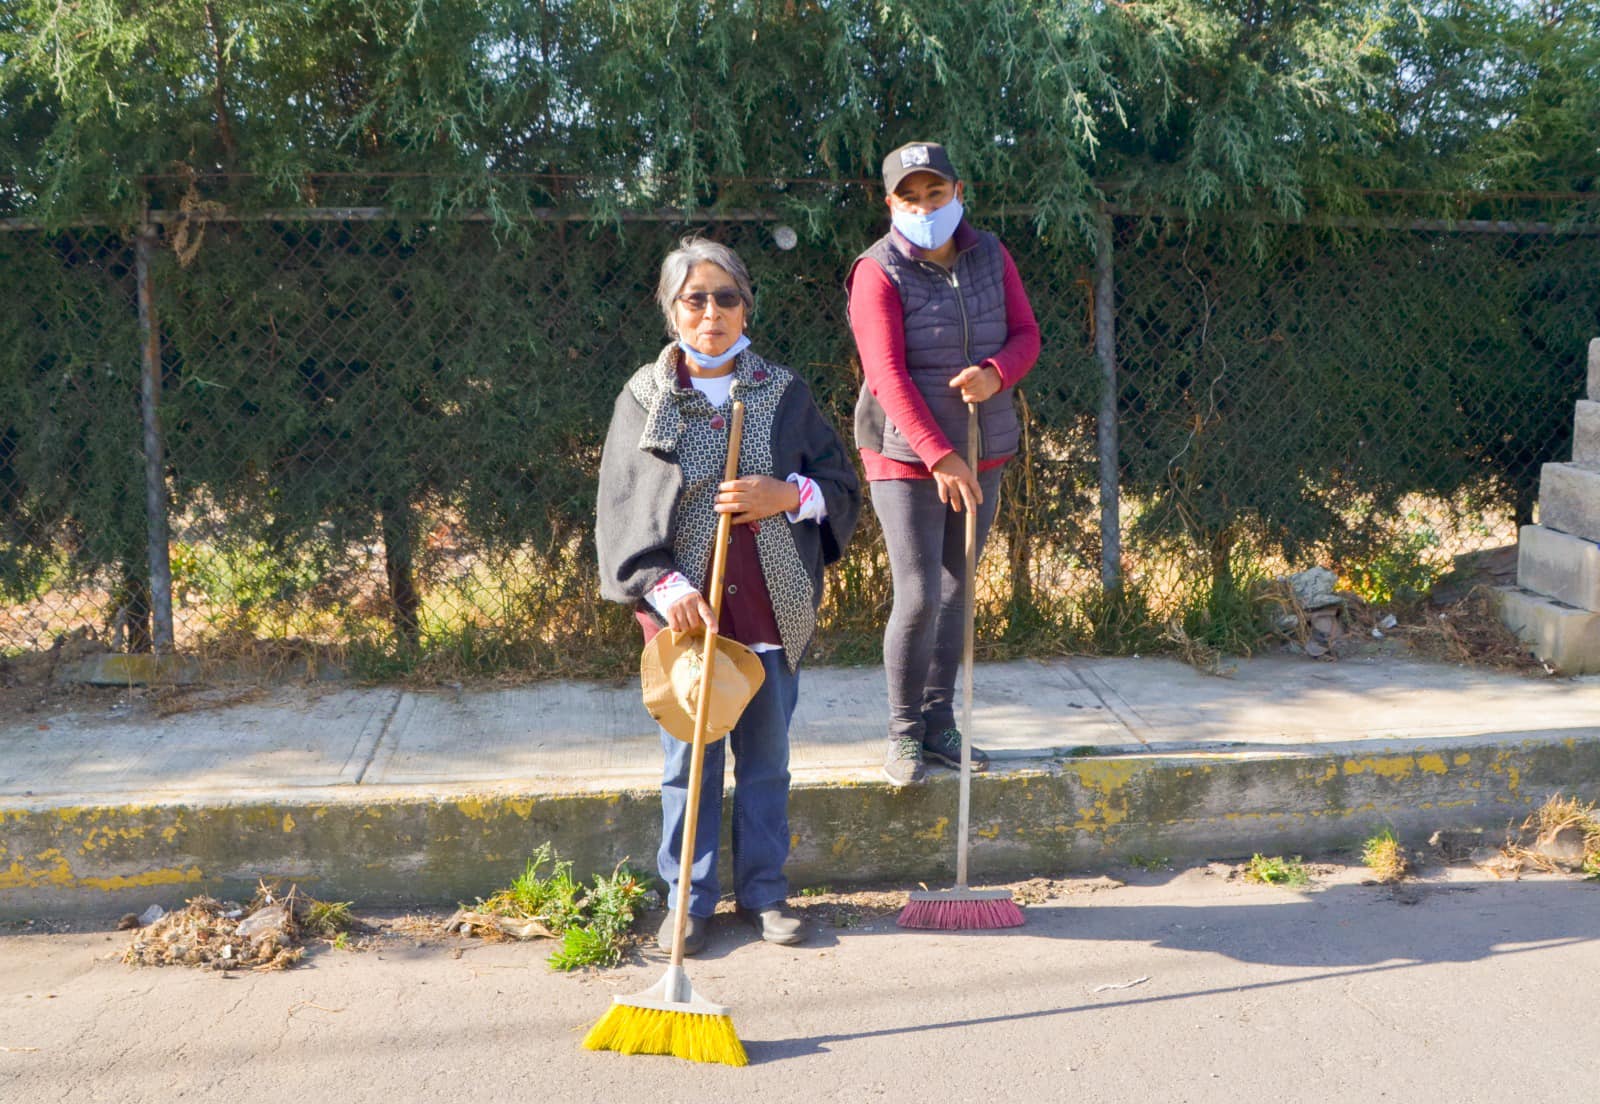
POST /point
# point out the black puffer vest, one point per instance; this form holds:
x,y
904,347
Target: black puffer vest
x,y
953,318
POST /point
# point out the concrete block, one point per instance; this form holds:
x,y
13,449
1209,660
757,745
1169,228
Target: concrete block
x,y
1569,499
1594,369
1566,638
1559,566
1586,433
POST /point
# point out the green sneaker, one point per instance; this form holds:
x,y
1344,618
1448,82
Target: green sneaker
x,y
945,748
903,766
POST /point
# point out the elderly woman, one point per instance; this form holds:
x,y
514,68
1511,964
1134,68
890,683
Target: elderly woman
x,y
940,320
794,506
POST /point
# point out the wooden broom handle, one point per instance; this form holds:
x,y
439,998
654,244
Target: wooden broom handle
x,y
702,710
969,633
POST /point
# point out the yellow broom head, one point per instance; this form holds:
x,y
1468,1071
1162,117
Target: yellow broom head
x,y
668,1018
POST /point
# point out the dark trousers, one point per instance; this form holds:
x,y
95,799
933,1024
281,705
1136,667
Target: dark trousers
x,y
926,541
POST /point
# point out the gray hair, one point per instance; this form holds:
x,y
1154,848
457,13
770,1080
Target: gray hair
x,y
680,262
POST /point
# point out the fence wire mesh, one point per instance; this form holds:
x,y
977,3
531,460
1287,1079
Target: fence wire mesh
x,y
382,435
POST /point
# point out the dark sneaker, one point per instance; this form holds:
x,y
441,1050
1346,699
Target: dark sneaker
x,y
694,935
777,923
946,748
903,764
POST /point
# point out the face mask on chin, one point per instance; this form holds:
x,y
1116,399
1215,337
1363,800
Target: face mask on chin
x,y
708,362
931,230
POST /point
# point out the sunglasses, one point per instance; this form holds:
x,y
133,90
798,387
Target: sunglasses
x,y
726,298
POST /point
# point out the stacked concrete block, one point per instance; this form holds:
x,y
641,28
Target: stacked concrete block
x,y
1586,435
1555,606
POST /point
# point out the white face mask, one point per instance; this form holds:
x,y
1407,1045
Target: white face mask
x,y
717,361
931,230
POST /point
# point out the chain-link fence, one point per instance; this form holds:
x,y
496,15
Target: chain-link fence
x,y
382,434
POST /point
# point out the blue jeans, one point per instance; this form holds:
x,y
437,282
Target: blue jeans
x,y
760,743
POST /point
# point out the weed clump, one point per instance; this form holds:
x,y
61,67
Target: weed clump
x,y
593,923
1385,857
1277,871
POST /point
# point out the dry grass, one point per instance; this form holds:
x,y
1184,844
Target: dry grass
x,y
1385,857
266,934
1470,631
1561,835
1203,657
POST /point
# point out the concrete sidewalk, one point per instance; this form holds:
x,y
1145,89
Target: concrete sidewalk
x,y
396,796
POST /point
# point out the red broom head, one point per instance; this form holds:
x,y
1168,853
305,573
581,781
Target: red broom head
x,y
951,912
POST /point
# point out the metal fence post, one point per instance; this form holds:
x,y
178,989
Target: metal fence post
x,y
1105,348
155,483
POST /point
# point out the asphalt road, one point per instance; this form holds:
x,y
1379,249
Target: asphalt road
x,y
1178,986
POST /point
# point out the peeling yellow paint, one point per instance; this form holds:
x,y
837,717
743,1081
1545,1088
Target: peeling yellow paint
x,y
936,833
1392,767
148,878
1432,764
1462,759
1106,775
55,873
1109,777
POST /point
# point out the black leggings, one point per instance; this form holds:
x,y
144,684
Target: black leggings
x,y
928,563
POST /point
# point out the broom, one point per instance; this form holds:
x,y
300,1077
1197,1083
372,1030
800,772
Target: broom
x,y
963,908
669,1017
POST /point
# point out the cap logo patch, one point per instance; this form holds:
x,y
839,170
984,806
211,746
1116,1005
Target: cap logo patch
x,y
916,155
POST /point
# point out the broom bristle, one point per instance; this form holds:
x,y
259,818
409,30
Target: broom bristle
x,y
694,1036
960,914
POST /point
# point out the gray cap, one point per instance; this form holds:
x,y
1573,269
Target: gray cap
x,y
914,157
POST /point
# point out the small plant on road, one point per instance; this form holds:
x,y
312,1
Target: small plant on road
x,y
1385,857
329,918
550,898
610,907
546,901
1150,863
1276,870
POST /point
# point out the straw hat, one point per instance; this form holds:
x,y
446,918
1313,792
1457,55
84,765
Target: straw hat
x,y
669,671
